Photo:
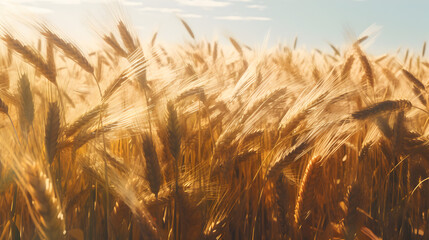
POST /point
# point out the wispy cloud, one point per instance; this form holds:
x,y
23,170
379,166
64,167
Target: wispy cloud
x,y
131,3
161,10
59,2
18,8
243,18
257,6
203,3
50,1
190,15
37,10
68,2
140,27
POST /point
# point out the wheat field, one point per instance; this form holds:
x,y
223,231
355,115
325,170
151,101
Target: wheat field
x,y
201,140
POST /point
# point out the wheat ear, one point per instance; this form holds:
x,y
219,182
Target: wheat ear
x,y
84,119
31,56
185,24
69,49
52,131
47,215
236,46
413,79
285,158
113,43
26,107
353,201
307,190
153,170
382,107
127,39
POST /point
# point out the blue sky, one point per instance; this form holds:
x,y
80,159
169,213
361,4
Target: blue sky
x,y
316,23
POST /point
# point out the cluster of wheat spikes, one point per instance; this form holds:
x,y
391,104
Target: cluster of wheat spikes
x,y
200,141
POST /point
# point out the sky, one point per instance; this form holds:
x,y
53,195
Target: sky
x,y
392,24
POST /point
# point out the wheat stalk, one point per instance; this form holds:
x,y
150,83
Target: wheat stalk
x,y
3,107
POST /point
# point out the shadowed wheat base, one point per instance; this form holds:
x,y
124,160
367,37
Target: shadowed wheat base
x,y
143,140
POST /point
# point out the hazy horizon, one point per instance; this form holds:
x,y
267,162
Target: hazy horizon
x,y
314,23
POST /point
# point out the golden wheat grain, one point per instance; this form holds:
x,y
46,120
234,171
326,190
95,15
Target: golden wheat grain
x,y
185,24
361,40
307,190
285,158
236,45
406,56
115,85
382,107
381,58
295,42
52,131
353,199
263,102
173,131
26,109
30,56
47,209
153,170
195,91
413,80
336,51
215,51
50,57
113,43
69,49
84,119
347,66
85,135
152,42
369,77
216,163
127,39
